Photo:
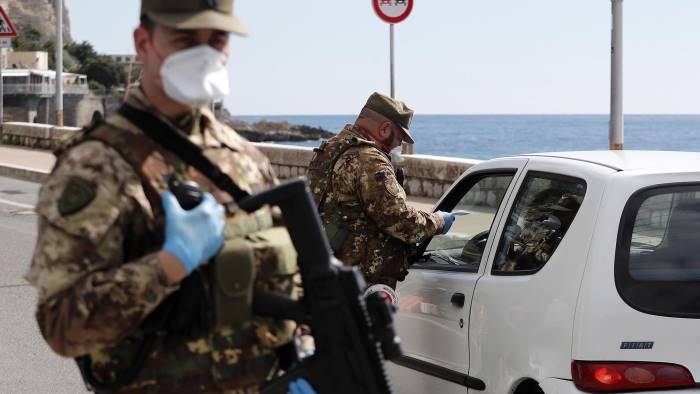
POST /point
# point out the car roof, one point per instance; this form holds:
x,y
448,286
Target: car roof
x,y
626,160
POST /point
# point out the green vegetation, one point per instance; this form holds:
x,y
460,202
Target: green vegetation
x,y
30,39
102,72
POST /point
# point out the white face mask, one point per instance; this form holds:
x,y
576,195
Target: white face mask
x,y
195,76
396,156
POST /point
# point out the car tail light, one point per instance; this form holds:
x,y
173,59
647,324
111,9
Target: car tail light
x,y
623,376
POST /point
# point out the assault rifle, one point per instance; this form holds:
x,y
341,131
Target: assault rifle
x,y
353,335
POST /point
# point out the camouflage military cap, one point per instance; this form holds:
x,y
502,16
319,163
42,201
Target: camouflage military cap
x,y
567,203
194,14
394,110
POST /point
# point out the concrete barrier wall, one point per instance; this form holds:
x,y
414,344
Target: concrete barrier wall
x,y
431,176
287,160
34,135
426,176
78,109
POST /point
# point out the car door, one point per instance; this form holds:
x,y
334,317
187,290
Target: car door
x,y
523,307
435,299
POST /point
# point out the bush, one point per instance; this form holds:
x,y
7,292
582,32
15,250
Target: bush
x,y
103,70
82,52
94,85
29,39
98,68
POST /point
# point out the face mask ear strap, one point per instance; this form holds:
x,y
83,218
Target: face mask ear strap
x,y
382,144
160,57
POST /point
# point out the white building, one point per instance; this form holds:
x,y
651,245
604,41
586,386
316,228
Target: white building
x,y
125,60
37,60
41,82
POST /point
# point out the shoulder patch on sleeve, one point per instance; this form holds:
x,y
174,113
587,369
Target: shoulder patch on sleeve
x,y
78,194
392,187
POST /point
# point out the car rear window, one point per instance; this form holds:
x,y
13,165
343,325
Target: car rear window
x,y
657,267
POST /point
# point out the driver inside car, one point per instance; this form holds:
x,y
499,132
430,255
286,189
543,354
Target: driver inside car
x,y
544,227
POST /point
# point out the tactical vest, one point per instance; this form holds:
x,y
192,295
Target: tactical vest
x,y
346,222
189,312
320,174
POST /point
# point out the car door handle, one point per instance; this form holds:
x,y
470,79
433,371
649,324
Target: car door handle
x,y
458,299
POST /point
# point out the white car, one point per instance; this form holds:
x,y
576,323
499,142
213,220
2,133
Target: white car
x,y
568,272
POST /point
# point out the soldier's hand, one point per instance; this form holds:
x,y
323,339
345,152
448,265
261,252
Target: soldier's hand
x,y
196,235
449,219
301,386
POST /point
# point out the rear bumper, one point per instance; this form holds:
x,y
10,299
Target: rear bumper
x,y
561,386
558,386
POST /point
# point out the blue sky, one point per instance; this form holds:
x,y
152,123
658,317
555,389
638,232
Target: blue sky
x,y
453,56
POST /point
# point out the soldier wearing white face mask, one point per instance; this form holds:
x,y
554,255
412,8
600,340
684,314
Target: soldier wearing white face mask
x,y
397,160
123,270
360,199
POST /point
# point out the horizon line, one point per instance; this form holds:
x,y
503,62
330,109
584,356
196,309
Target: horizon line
x,y
489,114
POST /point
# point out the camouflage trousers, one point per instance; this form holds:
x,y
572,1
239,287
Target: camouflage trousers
x,y
201,383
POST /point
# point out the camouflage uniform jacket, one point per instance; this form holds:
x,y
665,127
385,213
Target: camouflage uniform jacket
x,y
364,198
96,268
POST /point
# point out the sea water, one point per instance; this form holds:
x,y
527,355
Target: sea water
x,y
489,136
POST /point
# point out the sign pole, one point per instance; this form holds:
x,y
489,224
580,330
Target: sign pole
x,y
393,12
391,61
617,117
59,63
2,87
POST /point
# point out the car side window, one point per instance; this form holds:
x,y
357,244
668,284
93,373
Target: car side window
x,y
474,204
657,269
651,223
541,215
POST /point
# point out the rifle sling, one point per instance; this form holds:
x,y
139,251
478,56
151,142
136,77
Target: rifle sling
x,y
166,136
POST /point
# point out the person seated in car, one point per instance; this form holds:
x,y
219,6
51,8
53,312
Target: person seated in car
x,y
545,226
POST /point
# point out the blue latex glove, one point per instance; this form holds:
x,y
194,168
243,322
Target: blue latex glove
x,y
300,386
196,235
449,219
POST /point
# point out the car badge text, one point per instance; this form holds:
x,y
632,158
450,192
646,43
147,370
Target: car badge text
x,y
636,345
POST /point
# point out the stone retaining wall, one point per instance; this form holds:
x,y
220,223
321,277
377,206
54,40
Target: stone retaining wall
x,y
34,135
427,176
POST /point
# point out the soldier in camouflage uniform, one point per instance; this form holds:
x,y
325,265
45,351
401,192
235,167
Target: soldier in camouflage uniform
x,y
361,204
545,222
111,253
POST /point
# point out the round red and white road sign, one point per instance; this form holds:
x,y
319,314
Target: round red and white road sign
x,y
393,11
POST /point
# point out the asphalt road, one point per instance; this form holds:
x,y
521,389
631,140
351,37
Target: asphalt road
x,y
27,364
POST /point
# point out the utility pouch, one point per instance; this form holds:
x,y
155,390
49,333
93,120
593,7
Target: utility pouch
x,y
274,248
233,275
336,236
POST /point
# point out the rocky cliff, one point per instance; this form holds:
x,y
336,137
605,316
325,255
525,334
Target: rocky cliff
x,y
271,131
40,14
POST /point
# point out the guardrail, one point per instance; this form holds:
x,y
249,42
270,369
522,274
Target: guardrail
x,y
42,89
